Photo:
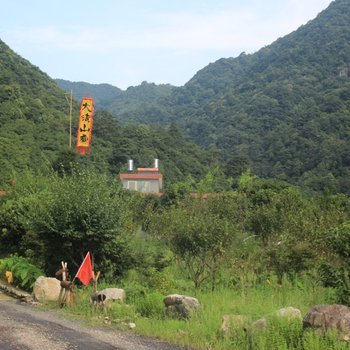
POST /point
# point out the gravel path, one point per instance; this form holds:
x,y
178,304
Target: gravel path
x,y
22,327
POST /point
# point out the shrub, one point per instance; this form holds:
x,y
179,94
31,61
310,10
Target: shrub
x,y
24,273
151,305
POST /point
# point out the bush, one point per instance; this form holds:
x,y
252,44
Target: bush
x,y
151,305
24,273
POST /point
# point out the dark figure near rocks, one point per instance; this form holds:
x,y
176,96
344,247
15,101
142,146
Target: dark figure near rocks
x,y
98,299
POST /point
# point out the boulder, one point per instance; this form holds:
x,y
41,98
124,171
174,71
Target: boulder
x,y
231,324
259,325
180,306
289,313
113,294
327,317
47,289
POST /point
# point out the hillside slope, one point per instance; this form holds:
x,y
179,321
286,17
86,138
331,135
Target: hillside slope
x,y
284,109
32,115
34,133
135,105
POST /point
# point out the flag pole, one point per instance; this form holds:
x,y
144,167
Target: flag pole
x,y
70,119
70,103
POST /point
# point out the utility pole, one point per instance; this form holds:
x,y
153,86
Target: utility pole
x,y
70,103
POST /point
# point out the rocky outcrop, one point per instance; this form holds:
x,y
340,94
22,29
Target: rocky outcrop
x,y
180,306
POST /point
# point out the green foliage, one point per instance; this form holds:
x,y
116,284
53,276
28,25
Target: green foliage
x,y
24,273
282,111
86,212
34,133
16,236
150,305
203,330
150,259
213,181
128,105
199,232
66,217
335,272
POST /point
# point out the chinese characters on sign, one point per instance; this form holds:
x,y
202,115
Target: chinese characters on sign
x,y
85,125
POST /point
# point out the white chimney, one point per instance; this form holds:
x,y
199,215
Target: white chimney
x,y
156,163
130,165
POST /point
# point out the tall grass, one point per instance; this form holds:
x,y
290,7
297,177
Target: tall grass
x,y
202,331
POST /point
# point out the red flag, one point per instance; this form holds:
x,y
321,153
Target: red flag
x,y
85,270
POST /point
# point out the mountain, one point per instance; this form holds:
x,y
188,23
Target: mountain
x,y
102,93
285,109
32,115
127,105
34,133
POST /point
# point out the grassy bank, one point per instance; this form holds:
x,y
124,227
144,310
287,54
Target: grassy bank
x,y
202,331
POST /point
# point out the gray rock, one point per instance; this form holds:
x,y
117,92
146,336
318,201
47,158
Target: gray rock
x,y
231,324
46,289
114,294
289,313
327,317
180,306
259,325
132,325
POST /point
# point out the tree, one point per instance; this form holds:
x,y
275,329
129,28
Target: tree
x,y
199,232
70,215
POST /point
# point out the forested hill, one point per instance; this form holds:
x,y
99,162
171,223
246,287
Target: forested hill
x,y
102,93
34,130
131,105
33,121
284,109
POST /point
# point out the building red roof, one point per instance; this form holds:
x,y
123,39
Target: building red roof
x,y
141,176
148,170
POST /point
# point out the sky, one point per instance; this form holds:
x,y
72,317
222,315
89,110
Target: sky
x,y
124,43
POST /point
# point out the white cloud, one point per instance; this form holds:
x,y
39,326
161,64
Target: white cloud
x,y
156,45
241,29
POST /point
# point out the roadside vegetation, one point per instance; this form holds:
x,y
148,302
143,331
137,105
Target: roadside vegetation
x,y
250,247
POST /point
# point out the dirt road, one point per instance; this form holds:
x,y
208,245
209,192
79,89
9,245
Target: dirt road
x,y
23,327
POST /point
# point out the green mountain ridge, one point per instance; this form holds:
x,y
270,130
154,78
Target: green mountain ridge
x,y
32,119
35,123
131,102
284,109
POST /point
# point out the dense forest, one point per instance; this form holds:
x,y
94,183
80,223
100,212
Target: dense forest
x,y
284,110
34,133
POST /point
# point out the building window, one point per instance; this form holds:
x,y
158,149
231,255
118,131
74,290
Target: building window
x,y
132,185
144,186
